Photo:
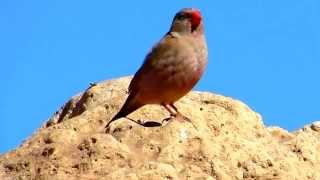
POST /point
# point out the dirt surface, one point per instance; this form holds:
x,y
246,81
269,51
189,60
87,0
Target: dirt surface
x,y
226,140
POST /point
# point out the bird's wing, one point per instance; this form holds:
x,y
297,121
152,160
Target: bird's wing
x,y
156,54
160,61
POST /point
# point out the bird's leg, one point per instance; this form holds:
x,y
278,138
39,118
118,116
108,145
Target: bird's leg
x,y
177,111
175,108
179,114
170,109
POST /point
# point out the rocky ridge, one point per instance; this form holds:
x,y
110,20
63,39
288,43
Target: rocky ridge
x,y
226,140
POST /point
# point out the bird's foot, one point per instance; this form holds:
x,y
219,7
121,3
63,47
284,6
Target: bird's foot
x,y
181,117
166,120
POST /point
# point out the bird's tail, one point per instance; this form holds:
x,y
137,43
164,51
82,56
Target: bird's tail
x,y
128,107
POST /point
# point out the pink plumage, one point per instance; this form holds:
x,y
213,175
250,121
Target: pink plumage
x,y
172,68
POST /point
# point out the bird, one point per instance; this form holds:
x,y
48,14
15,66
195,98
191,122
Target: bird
x,y
172,68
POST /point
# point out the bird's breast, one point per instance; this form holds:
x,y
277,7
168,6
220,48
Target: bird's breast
x,y
172,69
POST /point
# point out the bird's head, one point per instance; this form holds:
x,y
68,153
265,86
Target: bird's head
x,y
188,21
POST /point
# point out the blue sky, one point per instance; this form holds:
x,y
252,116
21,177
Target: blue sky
x,y
265,53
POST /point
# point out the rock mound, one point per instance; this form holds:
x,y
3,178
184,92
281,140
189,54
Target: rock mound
x,y
226,140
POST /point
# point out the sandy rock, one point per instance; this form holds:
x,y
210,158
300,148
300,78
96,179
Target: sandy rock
x,y
315,126
226,140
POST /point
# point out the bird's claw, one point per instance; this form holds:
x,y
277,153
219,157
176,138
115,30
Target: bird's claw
x,y
179,116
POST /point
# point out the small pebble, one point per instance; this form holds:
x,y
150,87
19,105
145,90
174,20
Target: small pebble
x,y
183,134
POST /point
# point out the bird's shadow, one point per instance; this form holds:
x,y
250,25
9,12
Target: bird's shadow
x,y
149,123
141,123
155,123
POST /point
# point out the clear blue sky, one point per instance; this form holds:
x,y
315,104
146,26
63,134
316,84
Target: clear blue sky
x,y
265,53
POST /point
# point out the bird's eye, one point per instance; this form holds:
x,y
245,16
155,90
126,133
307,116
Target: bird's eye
x,y
182,16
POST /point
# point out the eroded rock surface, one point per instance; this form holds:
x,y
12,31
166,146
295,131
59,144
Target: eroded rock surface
x,y
226,140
